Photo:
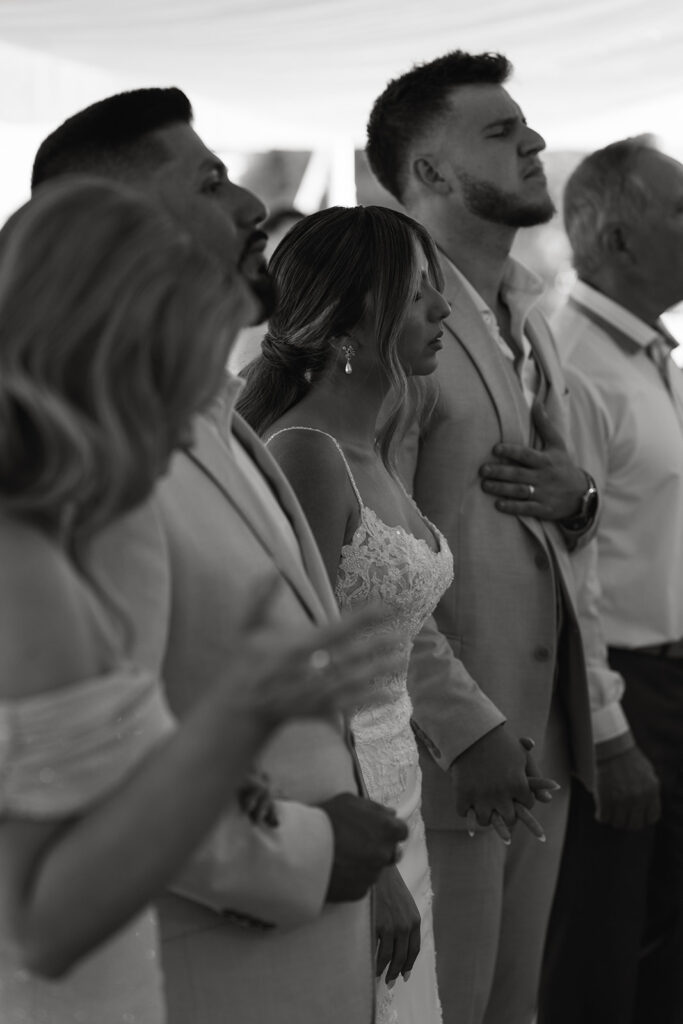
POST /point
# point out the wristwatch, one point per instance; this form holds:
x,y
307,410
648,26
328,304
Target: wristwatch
x,y
588,506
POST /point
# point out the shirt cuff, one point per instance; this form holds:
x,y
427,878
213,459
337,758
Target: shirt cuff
x,y
609,722
614,747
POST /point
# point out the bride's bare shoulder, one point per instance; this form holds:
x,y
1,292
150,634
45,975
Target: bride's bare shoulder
x,y
44,634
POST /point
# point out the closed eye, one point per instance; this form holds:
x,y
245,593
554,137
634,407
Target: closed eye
x,y
501,129
213,185
215,178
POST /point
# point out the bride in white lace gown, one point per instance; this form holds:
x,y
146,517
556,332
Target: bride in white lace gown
x,y
366,315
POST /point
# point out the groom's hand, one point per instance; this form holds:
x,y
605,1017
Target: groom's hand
x,y
366,836
490,782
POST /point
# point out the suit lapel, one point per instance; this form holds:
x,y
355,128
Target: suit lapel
x,y
210,454
313,563
554,398
548,363
467,327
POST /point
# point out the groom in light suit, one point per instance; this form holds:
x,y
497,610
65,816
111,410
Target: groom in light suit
x,y
490,466
268,923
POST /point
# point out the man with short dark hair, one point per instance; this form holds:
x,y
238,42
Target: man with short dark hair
x,y
271,921
616,935
490,466
145,139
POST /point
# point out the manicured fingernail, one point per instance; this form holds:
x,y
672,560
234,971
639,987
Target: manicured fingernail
x,y
541,839
544,794
471,833
390,984
406,976
508,842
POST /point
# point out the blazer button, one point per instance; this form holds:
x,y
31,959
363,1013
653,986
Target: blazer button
x,y
541,653
541,560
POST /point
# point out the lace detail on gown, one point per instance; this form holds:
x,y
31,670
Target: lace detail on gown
x,y
389,563
59,753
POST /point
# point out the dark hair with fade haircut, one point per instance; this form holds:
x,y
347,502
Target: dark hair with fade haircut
x,y
111,138
415,101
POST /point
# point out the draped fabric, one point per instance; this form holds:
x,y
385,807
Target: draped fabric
x,y
293,74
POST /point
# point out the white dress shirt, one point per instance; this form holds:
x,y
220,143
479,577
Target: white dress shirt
x,y
627,429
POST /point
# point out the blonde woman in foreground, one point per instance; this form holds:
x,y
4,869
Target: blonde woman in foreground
x,y
114,330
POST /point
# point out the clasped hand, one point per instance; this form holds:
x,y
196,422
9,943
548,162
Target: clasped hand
x,y
543,483
497,782
366,838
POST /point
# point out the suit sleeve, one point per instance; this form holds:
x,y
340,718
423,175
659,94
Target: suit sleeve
x,y
264,876
450,712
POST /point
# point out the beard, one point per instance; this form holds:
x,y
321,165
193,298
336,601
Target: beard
x,y
494,204
264,288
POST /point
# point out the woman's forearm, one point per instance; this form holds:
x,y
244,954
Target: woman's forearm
x,y
99,872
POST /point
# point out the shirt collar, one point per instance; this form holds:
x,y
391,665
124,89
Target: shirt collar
x,y
221,412
520,289
614,316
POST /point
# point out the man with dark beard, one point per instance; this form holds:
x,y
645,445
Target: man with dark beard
x,y
490,467
271,921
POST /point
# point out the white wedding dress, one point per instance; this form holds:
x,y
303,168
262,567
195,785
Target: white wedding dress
x,y
60,753
389,564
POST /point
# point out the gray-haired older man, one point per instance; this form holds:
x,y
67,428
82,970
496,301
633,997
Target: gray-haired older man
x,y
623,210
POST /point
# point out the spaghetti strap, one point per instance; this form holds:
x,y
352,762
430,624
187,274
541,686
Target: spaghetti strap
x,y
335,442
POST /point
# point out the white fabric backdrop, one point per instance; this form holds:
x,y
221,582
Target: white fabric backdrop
x,y
302,74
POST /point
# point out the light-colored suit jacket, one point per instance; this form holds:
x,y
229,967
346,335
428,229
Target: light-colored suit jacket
x,y
250,940
513,579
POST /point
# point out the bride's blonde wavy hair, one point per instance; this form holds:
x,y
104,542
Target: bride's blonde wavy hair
x,y
114,332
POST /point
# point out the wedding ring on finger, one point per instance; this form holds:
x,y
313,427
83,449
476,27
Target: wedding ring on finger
x,y
320,660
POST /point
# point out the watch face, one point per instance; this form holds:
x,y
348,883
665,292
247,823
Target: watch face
x,y
587,508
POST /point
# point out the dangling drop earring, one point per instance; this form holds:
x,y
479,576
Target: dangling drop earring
x,y
348,351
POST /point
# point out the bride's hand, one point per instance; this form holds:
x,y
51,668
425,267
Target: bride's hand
x,y
397,922
312,670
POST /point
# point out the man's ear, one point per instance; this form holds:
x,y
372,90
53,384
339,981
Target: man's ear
x,y
427,173
615,238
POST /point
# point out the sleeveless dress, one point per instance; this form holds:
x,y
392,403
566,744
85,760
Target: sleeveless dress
x,y
60,753
391,564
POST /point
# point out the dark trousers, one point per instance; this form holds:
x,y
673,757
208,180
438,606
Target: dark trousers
x,y
614,950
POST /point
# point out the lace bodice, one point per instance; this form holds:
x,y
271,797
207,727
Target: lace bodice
x,y
392,565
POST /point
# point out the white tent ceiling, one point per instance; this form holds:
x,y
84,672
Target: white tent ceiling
x,y
300,73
